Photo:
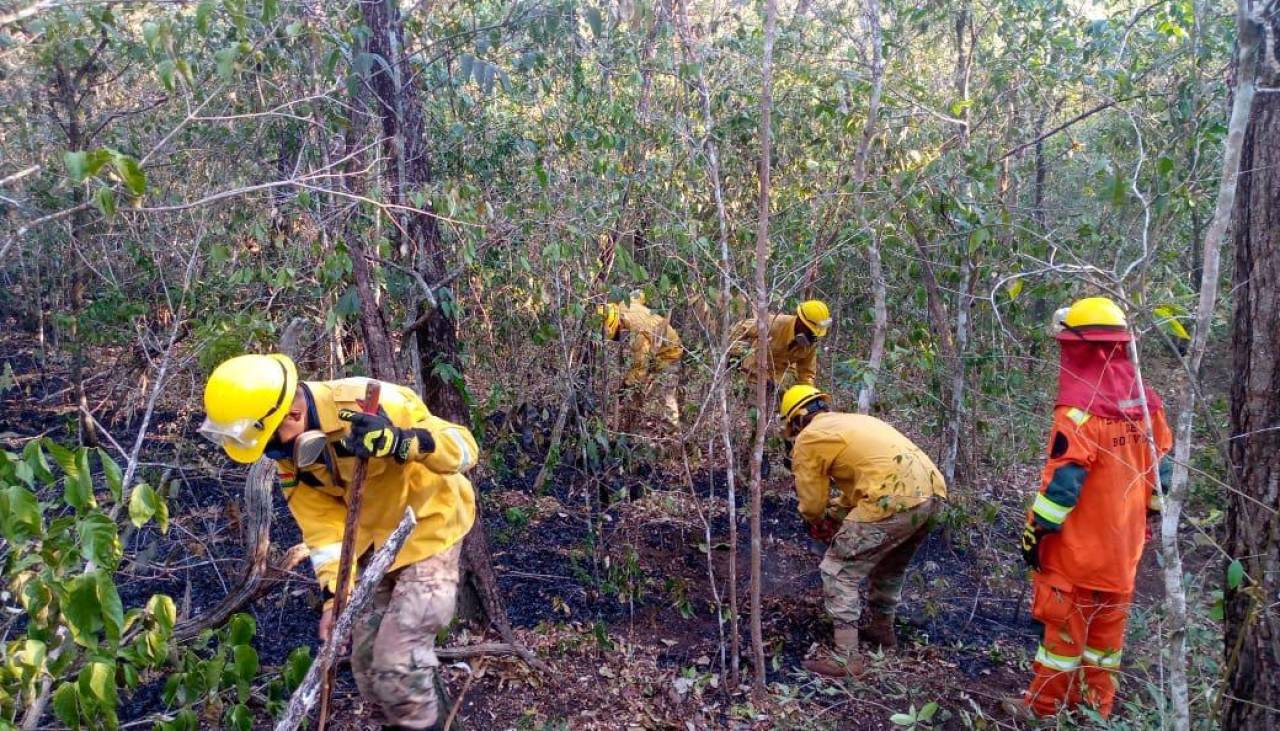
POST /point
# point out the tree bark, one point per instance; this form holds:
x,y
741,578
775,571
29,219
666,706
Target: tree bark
x,y
763,410
1252,636
722,369
879,294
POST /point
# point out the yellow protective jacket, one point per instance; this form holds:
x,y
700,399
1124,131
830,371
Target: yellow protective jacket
x,y
434,486
655,345
877,470
784,352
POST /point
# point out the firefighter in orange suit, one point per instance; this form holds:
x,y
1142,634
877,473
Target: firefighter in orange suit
x,y
1086,529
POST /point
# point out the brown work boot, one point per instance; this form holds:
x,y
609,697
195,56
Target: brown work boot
x,y
879,631
842,660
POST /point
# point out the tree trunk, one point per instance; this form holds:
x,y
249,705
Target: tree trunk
x,y
1252,636
763,410
722,370
879,294
417,234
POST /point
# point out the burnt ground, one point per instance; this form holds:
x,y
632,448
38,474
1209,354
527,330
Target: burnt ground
x,y
605,575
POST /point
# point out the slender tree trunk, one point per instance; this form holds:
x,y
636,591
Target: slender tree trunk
x,y
726,326
416,232
879,295
763,410
1252,637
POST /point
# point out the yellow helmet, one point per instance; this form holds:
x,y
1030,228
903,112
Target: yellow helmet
x,y
612,316
1095,318
815,315
245,400
797,397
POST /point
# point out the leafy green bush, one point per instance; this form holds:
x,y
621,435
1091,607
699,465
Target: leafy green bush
x,y
73,635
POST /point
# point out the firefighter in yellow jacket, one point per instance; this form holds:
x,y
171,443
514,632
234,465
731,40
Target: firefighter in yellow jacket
x,y
889,491
655,357
793,343
316,433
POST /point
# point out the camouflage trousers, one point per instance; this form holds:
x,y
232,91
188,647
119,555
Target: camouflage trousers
x,y
878,552
393,644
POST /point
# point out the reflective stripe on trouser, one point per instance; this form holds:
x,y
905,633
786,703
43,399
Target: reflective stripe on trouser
x,y
879,552
393,652
1083,638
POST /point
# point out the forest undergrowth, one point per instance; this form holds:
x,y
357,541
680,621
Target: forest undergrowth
x,y
604,574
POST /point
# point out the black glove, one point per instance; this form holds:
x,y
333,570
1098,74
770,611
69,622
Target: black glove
x,y
373,435
1031,536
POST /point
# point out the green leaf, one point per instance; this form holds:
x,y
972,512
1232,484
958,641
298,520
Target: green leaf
x,y
162,609
143,503
77,488
114,475
927,712
20,518
245,661
97,681
165,70
270,10
296,667
203,11
241,629
104,199
130,173
66,705
76,163
33,455
239,718
112,609
99,540
225,60
1235,574
902,719
150,33
1167,318
80,610
1014,289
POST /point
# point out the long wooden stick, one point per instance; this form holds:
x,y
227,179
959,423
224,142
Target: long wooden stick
x,y
307,692
369,405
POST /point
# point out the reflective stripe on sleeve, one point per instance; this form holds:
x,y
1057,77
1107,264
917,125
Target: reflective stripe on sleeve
x,y
1109,660
1057,662
466,460
1078,416
326,554
1049,510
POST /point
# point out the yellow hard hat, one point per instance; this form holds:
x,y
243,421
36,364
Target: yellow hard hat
x,y
612,319
1095,318
245,400
815,315
796,398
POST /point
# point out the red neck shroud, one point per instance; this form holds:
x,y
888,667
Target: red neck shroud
x,y
1098,377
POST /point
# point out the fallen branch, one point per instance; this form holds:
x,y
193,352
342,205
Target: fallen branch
x,y
257,542
308,692
484,649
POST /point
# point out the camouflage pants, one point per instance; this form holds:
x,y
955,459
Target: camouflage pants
x,y
878,552
393,644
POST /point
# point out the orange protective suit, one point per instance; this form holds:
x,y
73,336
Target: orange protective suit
x,y
1089,555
